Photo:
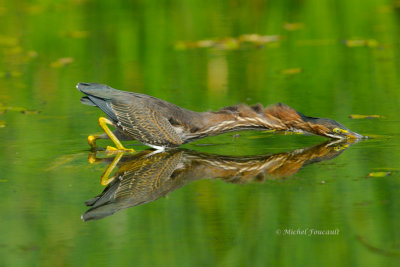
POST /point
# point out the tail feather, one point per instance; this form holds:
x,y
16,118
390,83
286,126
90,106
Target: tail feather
x,y
86,101
99,95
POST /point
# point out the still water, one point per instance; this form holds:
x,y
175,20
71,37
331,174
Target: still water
x,y
239,199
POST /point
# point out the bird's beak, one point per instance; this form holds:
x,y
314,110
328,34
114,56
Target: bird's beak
x,y
353,135
348,134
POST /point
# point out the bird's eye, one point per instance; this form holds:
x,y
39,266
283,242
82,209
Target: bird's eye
x,y
340,131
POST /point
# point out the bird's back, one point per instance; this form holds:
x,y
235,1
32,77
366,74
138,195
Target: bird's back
x,y
96,93
148,119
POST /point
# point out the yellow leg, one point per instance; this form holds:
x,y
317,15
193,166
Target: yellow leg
x,y
103,124
105,179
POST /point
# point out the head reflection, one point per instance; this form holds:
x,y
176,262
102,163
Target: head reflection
x,y
145,177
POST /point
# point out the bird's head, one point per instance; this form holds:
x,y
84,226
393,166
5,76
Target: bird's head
x,y
333,129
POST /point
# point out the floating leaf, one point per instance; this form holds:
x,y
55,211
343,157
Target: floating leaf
x,y
293,26
229,43
8,41
292,71
361,43
259,39
358,116
62,62
251,38
372,43
354,43
180,46
7,108
379,174
205,43
2,124
76,34
31,54
30,111
10,74
17,109
20,109
15,50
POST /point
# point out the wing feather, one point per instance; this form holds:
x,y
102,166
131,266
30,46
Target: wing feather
x,y
144,123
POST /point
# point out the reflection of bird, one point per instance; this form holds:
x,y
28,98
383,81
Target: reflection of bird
x,y
160,124
145,177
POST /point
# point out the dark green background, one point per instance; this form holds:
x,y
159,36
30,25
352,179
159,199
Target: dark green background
x,y
45,177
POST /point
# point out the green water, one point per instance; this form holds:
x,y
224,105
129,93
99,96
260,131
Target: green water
x,y
332,59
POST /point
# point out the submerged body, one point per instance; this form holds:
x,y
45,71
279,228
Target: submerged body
x,y
160,124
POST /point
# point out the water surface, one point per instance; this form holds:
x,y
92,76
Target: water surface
x,y
329,59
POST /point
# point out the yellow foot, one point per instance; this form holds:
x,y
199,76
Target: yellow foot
x,y
111,150
92,158
92,141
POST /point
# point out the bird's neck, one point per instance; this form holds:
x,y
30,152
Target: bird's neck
x,y
242,117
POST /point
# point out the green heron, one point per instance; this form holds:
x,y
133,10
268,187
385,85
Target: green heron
x,y
145,177
160,124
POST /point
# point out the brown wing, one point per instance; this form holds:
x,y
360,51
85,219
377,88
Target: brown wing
x,y
144,122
